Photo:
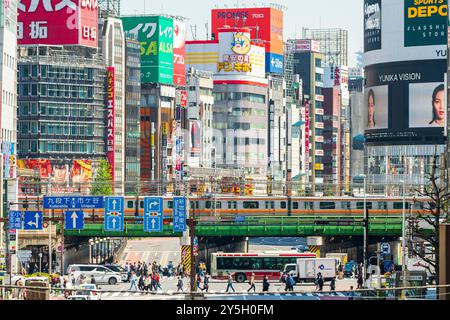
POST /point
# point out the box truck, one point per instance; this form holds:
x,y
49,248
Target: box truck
x,y
306,269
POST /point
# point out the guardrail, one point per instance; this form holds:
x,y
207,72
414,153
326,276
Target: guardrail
x,y
12,292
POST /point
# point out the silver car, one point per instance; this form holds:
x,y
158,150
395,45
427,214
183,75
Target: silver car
x,y
101,274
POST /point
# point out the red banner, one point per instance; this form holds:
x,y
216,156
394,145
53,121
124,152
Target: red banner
x,y
57,22
110,119
179,53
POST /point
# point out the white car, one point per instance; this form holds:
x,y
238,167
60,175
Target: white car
x,y
101,274
74,297
87,290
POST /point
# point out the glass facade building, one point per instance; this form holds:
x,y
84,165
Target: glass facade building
x,y
61,104
132,116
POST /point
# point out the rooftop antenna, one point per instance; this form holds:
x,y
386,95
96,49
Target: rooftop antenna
x,y
194,31
207,33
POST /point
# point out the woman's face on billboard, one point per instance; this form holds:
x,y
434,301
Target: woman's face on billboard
x,y
438,105
371,109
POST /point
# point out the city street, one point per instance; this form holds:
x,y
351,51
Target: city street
x,y
163,250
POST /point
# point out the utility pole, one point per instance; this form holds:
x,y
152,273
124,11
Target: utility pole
x,y
191,223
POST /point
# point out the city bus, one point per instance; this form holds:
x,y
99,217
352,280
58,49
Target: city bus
x,y
242,265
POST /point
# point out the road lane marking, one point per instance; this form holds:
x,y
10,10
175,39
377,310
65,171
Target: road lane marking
x,y
115,294
126,294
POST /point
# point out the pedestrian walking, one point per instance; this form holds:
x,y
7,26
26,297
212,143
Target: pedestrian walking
x,y
230,283
291,282
360,281
319,282
141,284
199,281
252,283
153,282
180,284
266,284
351,294
133,281
147,283
333,284
206,282
158,279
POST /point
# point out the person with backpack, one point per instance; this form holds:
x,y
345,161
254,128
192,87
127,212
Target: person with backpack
x,y
180,284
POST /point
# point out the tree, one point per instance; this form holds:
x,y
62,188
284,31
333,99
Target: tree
x,y
103,184
426,223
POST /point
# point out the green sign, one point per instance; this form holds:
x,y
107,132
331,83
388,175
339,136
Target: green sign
x,y
155,35
425,23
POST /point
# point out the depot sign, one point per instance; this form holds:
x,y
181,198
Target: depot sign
x,y
425,22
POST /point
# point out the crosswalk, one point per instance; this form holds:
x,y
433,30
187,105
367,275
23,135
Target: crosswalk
x,y
173,293
161,257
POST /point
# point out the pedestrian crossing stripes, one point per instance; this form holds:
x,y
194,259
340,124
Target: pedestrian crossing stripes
x,y
132,294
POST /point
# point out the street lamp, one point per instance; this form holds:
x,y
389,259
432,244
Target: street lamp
x,y
91,243
108,247
404,235
366,227
96,251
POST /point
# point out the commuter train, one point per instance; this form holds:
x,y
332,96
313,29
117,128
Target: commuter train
x,y
228,207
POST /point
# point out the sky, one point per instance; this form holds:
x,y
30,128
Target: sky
x,y
299,14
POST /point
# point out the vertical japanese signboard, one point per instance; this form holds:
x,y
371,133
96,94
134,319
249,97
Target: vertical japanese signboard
x,y
110,119
179,214
155,35
179,53
307,136
57,22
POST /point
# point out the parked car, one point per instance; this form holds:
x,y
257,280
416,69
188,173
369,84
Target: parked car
x,y
89,290
101,274
118,269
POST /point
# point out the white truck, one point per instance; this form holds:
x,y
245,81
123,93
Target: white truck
x,y
306,270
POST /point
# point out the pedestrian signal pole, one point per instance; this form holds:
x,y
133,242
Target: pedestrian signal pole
x,y
191,223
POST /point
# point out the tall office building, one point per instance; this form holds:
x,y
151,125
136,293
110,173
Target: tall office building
x,y
112,44
8,108
132,116
308,64
333,44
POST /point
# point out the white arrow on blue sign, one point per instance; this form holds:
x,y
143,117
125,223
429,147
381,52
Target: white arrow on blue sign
x,y
153,214
114,214
74,220
32,220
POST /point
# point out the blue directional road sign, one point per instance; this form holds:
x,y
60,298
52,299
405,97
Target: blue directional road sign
x,y
73,202
179,214
32,220
15,220
153,214
74,220
114,214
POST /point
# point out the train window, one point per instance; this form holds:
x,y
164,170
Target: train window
x,y
382,205
295,205
130,204
232,204
360,205
309,205
170,204
141,204
283,204
399,205
270,204
418,205
208,205
192,204
327,205
218,205
345,205
251,205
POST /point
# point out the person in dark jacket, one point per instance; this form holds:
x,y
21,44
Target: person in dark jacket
x,y
266,284
93,280
333,284
320,282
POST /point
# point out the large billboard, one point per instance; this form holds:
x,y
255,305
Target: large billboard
x,y
404,30
58,22
266,25
372,25
179,53
156,35
405,67
405,103
54,176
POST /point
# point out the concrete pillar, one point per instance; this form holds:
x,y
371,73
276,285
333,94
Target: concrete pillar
x,y
444,261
